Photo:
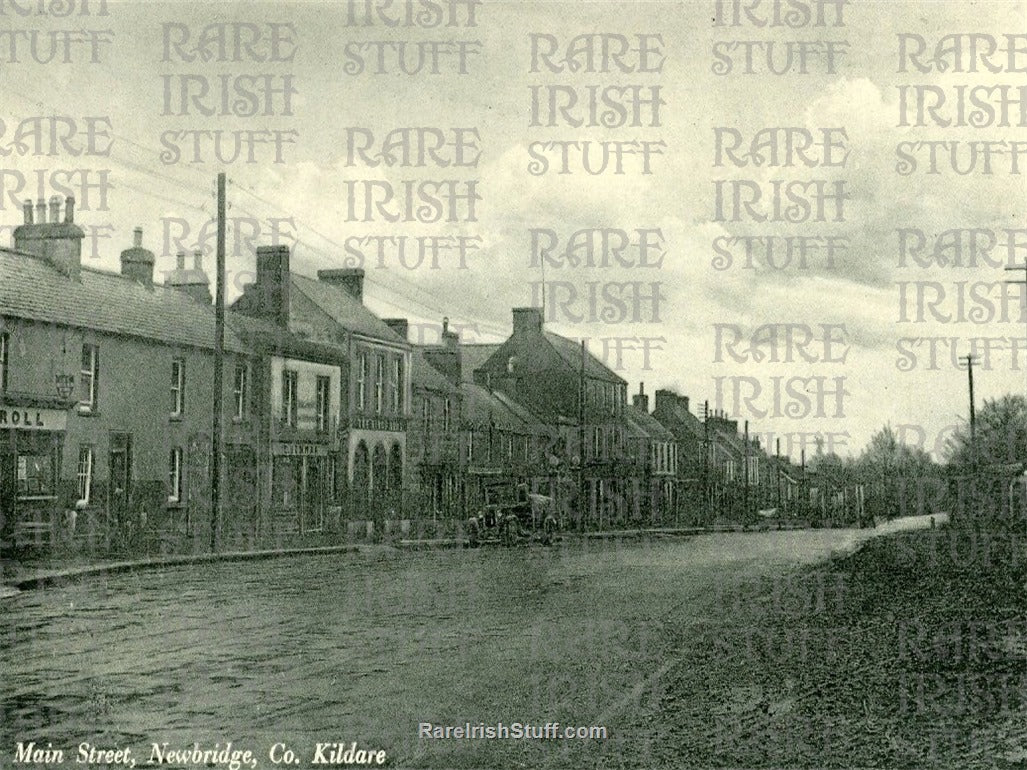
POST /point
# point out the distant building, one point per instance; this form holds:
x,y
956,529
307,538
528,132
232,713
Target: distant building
x,y
655,452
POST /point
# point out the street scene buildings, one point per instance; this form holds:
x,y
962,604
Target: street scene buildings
x,y
335,424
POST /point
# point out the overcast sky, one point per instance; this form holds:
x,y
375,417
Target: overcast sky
x,y
860,290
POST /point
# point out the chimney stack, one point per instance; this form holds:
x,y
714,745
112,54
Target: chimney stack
x,y
450,340
273,281
641,400
136,262
193,282
349,279
58,242
527,321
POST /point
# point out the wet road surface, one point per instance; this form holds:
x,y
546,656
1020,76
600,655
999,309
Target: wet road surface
x,y
365,647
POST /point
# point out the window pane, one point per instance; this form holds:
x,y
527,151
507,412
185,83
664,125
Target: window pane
x,y
37,474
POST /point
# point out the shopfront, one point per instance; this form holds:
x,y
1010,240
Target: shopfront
x,y
31,442
301,484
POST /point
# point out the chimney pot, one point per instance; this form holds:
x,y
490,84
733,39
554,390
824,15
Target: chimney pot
x,y
69,209
55,209
445,325
198,260
27,208
41,211
180,257
137,236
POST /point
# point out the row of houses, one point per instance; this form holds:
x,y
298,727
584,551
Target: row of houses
x,y
333,421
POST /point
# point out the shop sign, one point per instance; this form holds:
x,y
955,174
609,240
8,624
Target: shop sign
x,y
299,450
21,418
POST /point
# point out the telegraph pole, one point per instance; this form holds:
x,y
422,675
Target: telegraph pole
x,y
973,412
745,472
777,463
1023,269
219,363
707,490
581,436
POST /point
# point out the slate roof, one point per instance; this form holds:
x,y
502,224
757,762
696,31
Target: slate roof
x,y
424,375
482,405
641,423
474,356
570,351
268,337
344,309
32,288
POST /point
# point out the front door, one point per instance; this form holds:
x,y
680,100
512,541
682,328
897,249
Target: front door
x,y
8,492
312,494
120,486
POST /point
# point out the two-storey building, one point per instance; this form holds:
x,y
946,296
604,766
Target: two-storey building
x,y
375,398
106,399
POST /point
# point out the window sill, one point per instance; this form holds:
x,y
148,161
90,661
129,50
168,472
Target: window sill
x,y
34,498
87,411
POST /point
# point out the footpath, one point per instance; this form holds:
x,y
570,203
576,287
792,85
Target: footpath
x,y
16,577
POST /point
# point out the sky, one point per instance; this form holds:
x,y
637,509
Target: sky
x,y
869,317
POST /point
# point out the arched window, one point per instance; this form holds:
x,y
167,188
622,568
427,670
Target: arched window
x,y
379,470
361,473
396,468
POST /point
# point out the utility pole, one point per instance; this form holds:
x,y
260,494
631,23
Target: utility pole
x,y
1023,269
219,364
745,473
581,436
804,487
973,412
777,464
707,491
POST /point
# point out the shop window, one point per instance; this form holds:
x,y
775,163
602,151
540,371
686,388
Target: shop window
x,y
286,475
37,474
85,474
